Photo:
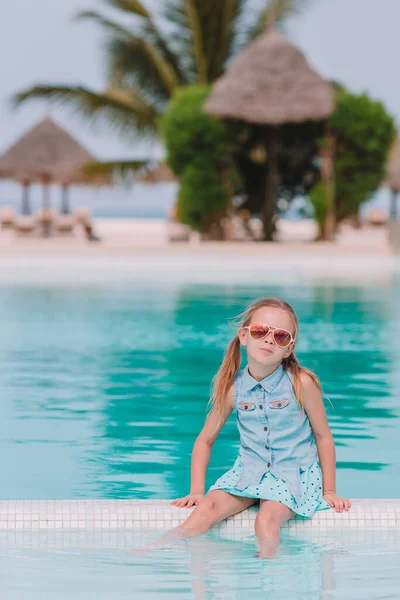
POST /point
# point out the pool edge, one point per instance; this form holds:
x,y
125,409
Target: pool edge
x,y
100,514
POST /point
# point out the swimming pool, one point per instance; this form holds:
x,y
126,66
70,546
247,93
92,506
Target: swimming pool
x,y
89,565
104,387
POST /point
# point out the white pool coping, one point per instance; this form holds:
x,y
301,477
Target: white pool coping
x,y
160,514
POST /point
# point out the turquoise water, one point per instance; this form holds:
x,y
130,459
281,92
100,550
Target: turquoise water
x,y
104,388
96,566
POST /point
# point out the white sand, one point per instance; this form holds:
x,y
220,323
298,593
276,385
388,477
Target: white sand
x,y
149,236
134,250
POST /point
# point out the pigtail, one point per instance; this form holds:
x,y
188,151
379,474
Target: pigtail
x,y
226,375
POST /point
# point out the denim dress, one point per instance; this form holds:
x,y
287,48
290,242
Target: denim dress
x,y
278,457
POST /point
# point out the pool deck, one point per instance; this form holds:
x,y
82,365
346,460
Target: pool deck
x,y
160,514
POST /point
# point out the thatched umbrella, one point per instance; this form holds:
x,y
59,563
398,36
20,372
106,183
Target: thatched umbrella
x,y
46,154
269,84
392,179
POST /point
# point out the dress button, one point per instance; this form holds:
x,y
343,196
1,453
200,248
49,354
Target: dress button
x,y
265,428
267,447
261,406
259,387
268,464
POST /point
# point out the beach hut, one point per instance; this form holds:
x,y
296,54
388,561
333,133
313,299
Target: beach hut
x,y
392,179
48,154
270,84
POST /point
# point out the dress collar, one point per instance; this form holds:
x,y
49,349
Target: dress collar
x,y
269,383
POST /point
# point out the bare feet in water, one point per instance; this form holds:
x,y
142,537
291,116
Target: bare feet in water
x,y
179,533
268,548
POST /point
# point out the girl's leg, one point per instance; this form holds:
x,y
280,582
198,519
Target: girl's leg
x,y
214,507
269,521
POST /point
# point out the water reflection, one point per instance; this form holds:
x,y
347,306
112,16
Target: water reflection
x,y
105,389
310,564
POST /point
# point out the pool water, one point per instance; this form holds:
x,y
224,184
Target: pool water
x,y
104,387
97,565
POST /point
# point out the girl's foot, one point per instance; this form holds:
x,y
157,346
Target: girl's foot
x,y
179,533
268,548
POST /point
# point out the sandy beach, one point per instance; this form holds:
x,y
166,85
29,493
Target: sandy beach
x,y
122,236
137,250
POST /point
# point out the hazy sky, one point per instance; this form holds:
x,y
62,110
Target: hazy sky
x,y
352,41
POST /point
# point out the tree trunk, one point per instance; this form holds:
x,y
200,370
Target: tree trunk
x,y
46,219
271,192
26,208
393,205
46,196
65,208
328,179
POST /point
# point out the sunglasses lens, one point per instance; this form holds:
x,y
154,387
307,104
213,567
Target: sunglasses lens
x,y
282,338
258,331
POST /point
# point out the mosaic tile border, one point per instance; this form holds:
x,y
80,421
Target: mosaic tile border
x,y
160,514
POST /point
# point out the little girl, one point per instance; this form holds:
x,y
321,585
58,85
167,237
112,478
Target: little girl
x,y
285,439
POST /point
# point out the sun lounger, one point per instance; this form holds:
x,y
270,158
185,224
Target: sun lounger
x,y
64,223
7,216
178,232
82,214
46,218
25,224
377,217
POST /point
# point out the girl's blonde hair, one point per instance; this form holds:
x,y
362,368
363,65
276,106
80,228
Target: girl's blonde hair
x,y
224,378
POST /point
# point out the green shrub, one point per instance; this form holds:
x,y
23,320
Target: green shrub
x,y
190,132
364,133
202,199
200,152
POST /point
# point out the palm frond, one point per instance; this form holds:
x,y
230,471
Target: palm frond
x,y
206,34
136,60
194,20
152,42
112,27
124,109
133,55
135,7
153,35
275,13
108,168
225,37
146,170
182,37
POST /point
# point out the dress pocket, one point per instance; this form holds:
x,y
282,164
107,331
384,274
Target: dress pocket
x,y
279,403
246,406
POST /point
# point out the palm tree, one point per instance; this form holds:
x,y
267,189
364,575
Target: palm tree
x,y
191,41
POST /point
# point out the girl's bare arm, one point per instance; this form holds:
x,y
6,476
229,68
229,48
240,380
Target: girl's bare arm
x,y
315,409
201,452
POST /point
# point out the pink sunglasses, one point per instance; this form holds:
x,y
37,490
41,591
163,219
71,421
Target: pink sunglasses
x,y
259,331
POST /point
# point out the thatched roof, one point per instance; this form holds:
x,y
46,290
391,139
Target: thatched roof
x,y
271,83
46,151
161,173
392,178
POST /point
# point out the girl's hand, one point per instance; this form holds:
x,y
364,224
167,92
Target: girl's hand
x,y
336,501
188,500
